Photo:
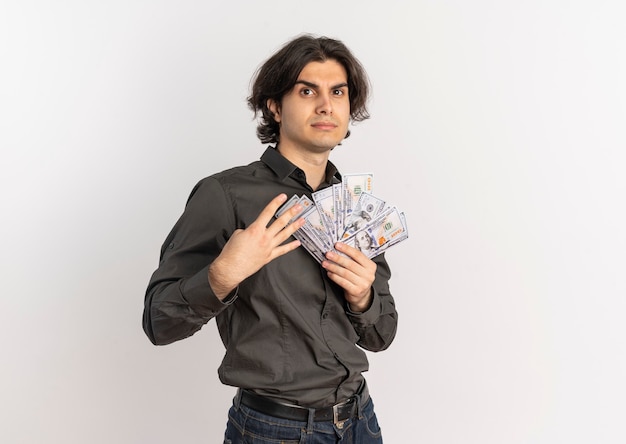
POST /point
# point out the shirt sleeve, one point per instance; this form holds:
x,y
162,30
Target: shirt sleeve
x,y
377,325
179,299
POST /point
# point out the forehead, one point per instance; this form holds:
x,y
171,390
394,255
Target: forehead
x,y
328,71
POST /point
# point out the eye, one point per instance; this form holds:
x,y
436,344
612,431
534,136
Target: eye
x,y
338,92
306,91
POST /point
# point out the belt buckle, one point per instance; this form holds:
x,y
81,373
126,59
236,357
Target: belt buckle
x,y
336,421
336,412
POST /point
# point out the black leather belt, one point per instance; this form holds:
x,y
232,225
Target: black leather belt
x,y
336,413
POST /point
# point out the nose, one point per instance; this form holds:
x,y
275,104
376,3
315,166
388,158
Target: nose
x,y
324,105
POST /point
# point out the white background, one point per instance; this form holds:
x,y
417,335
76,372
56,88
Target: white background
x,y
497,126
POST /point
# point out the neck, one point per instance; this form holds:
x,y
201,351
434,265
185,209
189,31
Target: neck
x,y
313,164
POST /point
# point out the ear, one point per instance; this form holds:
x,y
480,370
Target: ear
x,y
274,107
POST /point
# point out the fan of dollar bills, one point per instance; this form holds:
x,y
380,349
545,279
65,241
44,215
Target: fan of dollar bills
x,y
350,213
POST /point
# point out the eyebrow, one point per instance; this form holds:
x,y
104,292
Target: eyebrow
x,y
313,85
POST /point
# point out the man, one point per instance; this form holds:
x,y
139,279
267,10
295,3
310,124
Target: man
x,y
290,325
364,242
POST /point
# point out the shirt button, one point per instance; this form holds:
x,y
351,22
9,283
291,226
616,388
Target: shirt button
x,y
324,315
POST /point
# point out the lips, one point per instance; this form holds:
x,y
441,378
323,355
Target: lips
x,y
324,125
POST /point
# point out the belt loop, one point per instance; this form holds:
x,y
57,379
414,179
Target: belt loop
x,y
310,422
359,412
237,400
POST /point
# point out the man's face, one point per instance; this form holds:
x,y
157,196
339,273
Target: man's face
x,y
362,240
315,114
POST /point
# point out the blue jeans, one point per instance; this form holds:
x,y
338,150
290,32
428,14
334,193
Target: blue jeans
x,y
247,426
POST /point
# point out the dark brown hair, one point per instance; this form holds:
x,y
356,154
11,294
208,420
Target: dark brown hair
x,y
278,75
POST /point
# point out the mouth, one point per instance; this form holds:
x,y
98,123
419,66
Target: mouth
x,y
325,126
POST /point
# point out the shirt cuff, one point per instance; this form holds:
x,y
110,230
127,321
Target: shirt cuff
x,y
369,316
200,296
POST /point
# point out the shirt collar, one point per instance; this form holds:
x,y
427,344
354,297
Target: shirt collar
x,y
284,168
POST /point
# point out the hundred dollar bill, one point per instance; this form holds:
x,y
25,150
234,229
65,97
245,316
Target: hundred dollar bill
x,y
326,206
385,230
305,241
315,229
338,207
302,200
366,209
309,246
396,240
284,207
352,187
404,235
308,232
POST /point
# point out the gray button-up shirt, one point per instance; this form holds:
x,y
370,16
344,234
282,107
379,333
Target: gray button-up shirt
x,y
288,331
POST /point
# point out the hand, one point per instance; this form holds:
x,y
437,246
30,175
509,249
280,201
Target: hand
x,y
354,273
248,250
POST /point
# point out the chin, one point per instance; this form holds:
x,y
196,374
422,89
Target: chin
x,y
324,148
329,144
